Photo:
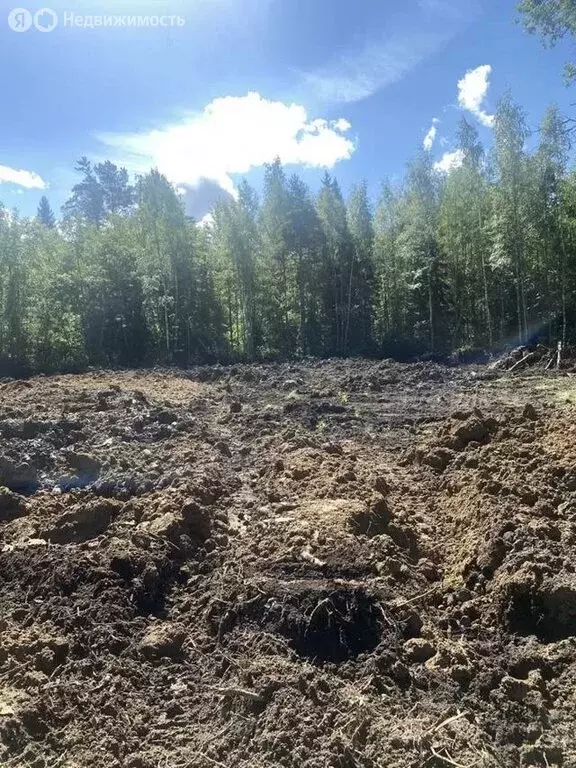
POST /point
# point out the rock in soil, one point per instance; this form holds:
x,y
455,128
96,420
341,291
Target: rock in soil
x,y
162,640
18,476
11,505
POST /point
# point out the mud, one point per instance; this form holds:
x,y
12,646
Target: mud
x,y
343,564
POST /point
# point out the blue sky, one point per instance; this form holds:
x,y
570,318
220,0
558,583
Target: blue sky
x,y
349,85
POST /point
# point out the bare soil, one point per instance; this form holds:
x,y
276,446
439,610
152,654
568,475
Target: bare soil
x,y
336,564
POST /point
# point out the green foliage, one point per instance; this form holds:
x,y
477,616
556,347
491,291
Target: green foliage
x,y
469,260
104,189
553,20
45,214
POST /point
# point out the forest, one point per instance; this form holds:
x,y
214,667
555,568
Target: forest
x,y
458,263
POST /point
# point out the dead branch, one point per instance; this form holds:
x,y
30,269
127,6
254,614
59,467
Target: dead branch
x,y
524,361
448,721
243,692
449,760
319,606
404,603
209,759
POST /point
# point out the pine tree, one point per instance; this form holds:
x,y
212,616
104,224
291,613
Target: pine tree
x,y
117,192
103,190
45,214
87,200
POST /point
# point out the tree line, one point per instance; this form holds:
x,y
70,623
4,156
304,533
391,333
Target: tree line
x,y
441,263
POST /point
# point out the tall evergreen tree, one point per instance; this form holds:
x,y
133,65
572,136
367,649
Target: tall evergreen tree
x,y
45,214
103,189
117,192
87,199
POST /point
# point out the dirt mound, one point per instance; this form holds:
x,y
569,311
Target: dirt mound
x,y
336,563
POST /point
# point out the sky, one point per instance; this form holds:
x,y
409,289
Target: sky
x,y
355,87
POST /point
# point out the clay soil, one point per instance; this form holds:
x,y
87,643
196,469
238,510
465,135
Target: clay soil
x,y
337,564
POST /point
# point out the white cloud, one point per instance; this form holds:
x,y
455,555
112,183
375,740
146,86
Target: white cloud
x,y
232,135
380,63
449,161
472,90
342,125
430,137
27,179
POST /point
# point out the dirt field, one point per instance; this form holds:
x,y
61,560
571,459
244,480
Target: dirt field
x,y
341,564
